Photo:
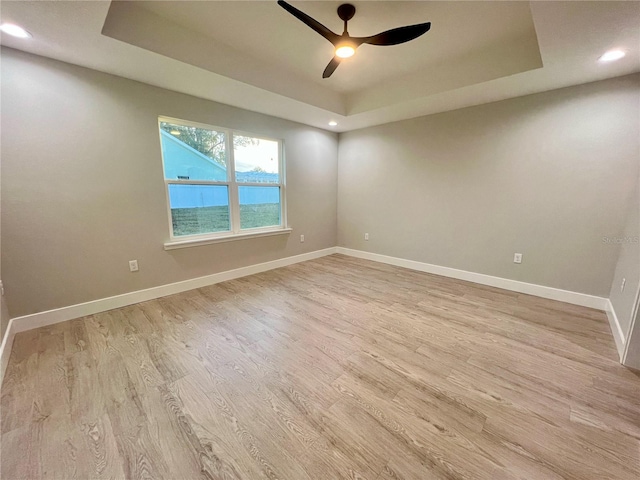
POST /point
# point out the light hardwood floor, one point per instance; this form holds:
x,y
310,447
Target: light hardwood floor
x,y
334,368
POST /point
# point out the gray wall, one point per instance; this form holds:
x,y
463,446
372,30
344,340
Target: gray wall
x,y
628,266
4,312
546,175
83,190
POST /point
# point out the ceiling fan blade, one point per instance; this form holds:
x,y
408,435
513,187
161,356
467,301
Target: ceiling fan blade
x,y
314,24
333,64
396,36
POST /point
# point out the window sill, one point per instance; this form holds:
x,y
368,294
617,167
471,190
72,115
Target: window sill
x,y
196,242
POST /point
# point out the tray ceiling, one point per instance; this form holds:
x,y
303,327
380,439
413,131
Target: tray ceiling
x,y
255,55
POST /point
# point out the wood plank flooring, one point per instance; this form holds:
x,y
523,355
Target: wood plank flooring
x,y
334,368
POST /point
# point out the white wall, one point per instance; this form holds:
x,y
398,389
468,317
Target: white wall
x,y
546,175
83,189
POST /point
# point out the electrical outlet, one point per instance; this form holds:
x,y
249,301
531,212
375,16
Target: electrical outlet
x,y
366,236
1,289
624,280
301,238
517,258
133,265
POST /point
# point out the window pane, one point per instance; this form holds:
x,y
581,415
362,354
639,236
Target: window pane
x,y
192,153
259,206
256,160
198,209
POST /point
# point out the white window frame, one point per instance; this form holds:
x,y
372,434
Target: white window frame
x,y
235,232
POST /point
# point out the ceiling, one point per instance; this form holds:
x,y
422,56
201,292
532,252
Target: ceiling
x,y
255,55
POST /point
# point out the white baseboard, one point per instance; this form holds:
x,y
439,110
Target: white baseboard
x,y
49,317
566,296
41,319
616,329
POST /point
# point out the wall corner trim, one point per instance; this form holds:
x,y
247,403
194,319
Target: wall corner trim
x,y
49,317
616,329
575,298
5,349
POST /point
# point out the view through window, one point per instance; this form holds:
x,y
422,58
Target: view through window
x,y
220,182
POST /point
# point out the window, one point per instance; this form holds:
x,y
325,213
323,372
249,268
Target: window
x,y
220,183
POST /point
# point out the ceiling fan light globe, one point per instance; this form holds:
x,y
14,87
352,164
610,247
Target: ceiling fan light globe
x,y
345,51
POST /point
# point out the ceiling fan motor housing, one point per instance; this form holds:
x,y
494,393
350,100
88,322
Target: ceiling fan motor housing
x,y
346,11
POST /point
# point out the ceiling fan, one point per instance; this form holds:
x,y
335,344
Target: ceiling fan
x,y
346,45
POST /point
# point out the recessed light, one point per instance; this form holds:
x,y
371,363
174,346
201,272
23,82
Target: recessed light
x,y
175,132
612,55
333,123
15,30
